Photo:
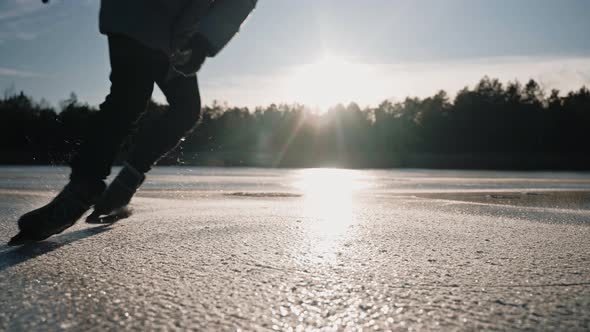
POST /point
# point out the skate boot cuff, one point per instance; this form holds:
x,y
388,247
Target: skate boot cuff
x,y
85,192
129,178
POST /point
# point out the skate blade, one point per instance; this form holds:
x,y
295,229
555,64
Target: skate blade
x,y
20,239
111,218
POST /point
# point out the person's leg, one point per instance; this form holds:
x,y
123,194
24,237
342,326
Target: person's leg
x,y
135,68
163,135
151,143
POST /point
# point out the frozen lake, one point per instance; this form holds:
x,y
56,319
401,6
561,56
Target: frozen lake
x,y
203,179
239,248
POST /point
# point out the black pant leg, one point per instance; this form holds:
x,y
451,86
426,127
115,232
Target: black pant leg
x,y
163,135
135,68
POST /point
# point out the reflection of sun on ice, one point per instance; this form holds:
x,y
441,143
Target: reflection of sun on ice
x,y
328,196
328,202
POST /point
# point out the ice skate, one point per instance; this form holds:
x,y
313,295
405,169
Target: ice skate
x,y
113,204
61,213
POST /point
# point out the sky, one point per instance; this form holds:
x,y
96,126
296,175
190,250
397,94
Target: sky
x,y
319,52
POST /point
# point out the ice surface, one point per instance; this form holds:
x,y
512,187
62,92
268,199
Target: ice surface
x,y
277,249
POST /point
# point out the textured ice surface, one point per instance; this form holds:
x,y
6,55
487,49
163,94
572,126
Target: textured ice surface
x,y
225,249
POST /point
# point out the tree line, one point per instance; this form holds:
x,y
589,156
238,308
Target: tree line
x,y
492,125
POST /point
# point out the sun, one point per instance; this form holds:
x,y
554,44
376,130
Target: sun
x,y
328,81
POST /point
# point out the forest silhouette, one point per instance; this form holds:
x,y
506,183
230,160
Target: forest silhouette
x,y
490,126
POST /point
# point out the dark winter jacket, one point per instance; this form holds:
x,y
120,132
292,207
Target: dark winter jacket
x,y
167,24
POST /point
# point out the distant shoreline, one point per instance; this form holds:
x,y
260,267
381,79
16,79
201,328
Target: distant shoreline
x,y
493,126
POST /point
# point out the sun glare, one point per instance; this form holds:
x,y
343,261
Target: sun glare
x,y
330,80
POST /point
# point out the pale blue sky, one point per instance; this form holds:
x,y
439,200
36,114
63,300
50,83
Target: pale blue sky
x,y
319,52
